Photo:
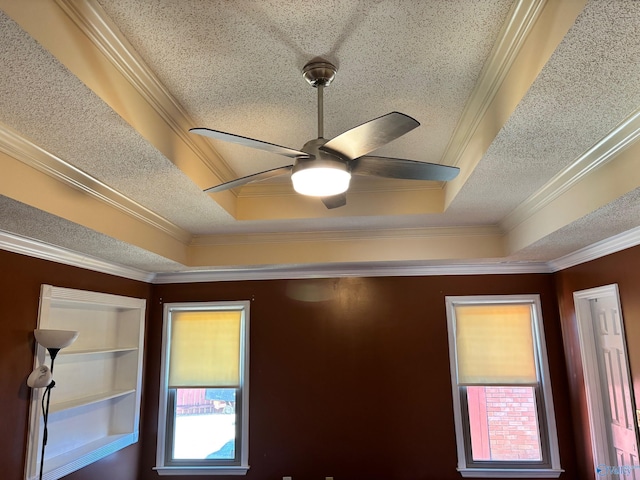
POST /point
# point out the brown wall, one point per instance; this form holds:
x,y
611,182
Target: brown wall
x,y
355,386
620,268
20,280
358,385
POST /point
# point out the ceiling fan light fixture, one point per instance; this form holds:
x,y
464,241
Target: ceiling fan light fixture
x,y
320,181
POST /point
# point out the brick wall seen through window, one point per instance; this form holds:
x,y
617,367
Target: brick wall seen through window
x,y
503,423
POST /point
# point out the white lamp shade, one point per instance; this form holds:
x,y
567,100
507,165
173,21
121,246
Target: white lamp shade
x,y
55,338
40,377
321,181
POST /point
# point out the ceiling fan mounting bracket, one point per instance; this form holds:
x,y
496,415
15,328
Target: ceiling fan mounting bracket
x,y
319,74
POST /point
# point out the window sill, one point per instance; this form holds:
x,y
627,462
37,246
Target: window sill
x,y
510,472
242,470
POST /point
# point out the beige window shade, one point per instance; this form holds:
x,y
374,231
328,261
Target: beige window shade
x,y
494,345
205,349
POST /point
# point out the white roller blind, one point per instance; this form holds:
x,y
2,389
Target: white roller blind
x,y
494,345
205,349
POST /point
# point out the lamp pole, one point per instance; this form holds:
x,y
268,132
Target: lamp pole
x,y
42,376
45,410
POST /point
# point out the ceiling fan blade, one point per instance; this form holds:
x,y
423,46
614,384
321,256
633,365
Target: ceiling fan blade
x,y
256,177
400,168
371,135
335,201
250,142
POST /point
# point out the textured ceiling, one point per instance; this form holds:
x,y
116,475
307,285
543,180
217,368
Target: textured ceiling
x,y
25,221
583,92
236,66
529,99
45,102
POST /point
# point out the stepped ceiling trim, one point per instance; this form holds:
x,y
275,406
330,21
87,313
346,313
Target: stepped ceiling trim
x,y
15,145
602,152
36,249
92,47
611,245
91,19
515,62
33,248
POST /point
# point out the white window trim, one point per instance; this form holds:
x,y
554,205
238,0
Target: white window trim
x,y
241,469
500,471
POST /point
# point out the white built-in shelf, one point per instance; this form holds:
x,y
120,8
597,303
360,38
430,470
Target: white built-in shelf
x,y
65,463
93,351
95,404
87,400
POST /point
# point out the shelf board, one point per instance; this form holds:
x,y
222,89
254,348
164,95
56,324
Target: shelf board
x,y
65,463
88,400
94,351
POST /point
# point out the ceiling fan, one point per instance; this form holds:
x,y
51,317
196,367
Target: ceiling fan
x,y
323,168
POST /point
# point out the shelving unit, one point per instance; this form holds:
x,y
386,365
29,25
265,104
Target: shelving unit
x,y
95,404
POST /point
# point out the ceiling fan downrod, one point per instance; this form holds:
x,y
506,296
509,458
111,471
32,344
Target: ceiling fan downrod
x,y
319,74
320,111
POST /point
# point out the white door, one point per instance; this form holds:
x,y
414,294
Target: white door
x,y
614,379
608,384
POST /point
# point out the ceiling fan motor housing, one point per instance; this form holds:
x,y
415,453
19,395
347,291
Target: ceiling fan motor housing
x,y
329,161
320,158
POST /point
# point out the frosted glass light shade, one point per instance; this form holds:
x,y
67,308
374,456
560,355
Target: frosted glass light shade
x,y
55,338
321,181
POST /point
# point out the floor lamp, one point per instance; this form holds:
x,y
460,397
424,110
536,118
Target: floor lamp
x,y
42,376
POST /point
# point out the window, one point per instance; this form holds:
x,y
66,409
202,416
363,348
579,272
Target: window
x,y
503,408
203,419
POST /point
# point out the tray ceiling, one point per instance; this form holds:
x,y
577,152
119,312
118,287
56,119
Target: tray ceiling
x,y
536,102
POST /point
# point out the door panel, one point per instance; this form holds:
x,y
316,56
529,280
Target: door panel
x,y
614,379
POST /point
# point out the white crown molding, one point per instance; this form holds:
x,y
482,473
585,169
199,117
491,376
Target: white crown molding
x,y
94,22
15,145
524,15
291,272
599,154
37,249
617,243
